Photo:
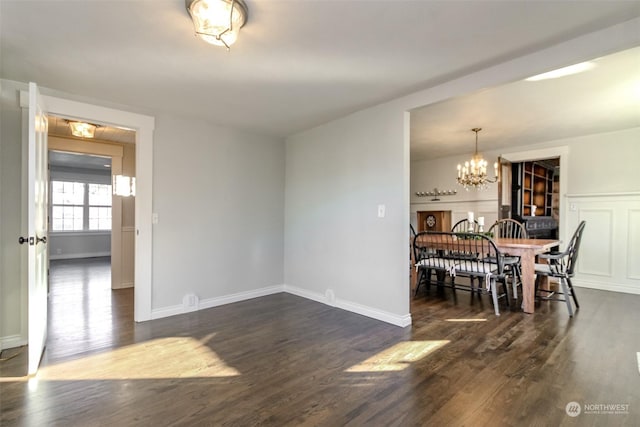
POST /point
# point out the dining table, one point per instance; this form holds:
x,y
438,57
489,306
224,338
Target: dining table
x,y
526,249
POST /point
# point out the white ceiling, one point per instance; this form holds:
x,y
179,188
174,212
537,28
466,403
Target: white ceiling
x,y
296,64
603,99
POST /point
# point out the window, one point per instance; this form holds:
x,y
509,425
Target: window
x,y
99,207
67,199
76,206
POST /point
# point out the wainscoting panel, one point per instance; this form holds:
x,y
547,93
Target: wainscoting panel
x,y
633,249
596,250
610,251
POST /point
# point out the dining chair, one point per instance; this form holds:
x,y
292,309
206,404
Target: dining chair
x,y
466,226
469,255
428,261
561,265
463,226
478,257
511,229
412,260
508,228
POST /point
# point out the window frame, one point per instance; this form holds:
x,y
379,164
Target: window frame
x,y
85,207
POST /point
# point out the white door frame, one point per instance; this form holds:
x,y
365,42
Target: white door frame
x,y
144,126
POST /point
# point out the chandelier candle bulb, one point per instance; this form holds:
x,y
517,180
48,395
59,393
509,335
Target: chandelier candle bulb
x,y
470,216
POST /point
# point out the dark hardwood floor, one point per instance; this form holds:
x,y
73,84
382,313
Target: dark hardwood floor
x,y
283,360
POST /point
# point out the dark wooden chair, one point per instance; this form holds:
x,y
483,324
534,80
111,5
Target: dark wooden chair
x,y
463,226
511,229
470,255
561,265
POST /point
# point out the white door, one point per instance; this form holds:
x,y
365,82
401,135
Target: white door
x,y
37,202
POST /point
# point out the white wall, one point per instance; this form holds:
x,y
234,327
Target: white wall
x,y
81,244
12,296
219,196
336,246
604,191
441,173
605,163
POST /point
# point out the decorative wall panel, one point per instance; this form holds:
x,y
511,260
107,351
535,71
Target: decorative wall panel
x,y
596,250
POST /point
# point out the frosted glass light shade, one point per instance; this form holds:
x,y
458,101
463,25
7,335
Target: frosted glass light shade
x,y
217,21
83,130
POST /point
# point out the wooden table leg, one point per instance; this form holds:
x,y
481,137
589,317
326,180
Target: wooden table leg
x,y
528,263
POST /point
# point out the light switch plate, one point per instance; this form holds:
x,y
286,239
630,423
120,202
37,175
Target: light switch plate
x,y
381,211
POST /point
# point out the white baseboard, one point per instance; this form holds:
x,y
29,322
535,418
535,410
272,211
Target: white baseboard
x,y
11,341
304,293
123,285
174,310
216,301
603,286
80,255
240,296
384,316
374,313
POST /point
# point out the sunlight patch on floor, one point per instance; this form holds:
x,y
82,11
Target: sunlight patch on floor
x,y
172,357
398,357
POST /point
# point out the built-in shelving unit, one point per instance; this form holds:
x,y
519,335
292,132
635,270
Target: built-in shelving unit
x,y
537,189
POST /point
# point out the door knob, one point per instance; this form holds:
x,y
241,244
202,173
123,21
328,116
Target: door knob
x,y
41,239
23,240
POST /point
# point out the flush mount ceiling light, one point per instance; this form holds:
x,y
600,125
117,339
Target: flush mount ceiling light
x,y
82,130
217,21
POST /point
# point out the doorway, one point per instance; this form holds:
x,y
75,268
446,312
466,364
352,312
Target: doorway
x,y
105,221
529,192
91,238
142,232
549,165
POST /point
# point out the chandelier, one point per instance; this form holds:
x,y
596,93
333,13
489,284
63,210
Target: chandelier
x,y
474,172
